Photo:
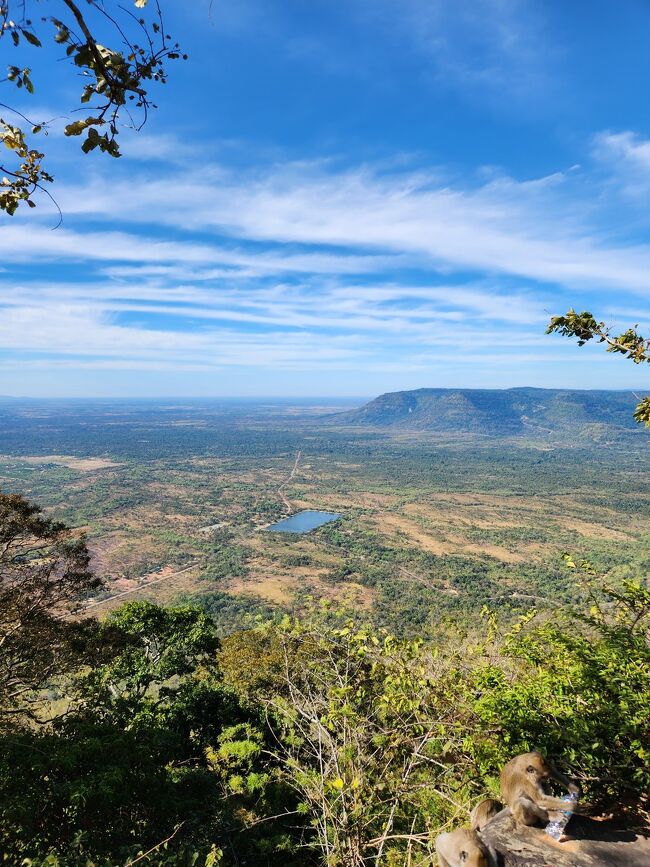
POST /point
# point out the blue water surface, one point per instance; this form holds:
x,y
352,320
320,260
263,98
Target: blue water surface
x,y
303,522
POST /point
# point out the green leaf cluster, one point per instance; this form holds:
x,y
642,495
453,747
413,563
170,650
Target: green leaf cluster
x,y
116,78
629,343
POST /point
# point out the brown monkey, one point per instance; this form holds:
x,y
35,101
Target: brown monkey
x,y
524,786
483,812
461,848
479,817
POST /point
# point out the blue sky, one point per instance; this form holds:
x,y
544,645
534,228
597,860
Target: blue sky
x,y
346,197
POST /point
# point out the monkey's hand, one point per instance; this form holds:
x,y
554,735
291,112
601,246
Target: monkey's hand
x,y
573,789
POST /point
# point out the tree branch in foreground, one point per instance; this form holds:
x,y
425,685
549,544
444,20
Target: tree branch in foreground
x,y
630,344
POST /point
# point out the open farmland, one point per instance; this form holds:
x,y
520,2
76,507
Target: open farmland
x,y
173,501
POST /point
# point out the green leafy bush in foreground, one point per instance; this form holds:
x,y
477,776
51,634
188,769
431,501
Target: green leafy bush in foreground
x,y
322,741
386,741
579,688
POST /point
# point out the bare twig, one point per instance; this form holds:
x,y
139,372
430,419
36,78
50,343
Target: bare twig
x,y
156,847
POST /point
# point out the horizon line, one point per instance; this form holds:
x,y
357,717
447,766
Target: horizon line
x,y
199,397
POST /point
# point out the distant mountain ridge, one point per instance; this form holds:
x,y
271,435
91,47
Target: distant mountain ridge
x,y
497,412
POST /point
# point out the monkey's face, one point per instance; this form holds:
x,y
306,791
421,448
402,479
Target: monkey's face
x,y
537,768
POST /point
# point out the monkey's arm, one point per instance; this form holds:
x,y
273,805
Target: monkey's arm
x,y
568,784
547,802
526,811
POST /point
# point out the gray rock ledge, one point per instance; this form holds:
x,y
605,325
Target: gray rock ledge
x,y
590,844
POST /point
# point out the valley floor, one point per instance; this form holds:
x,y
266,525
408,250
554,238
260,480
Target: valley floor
x,y
431,527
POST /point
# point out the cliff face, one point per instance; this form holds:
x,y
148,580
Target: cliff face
x,y
498,413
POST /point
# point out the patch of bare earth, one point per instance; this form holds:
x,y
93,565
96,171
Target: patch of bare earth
x,y
82,465
450,543
491,512
281,589
272,588
160,586
387,522
593,530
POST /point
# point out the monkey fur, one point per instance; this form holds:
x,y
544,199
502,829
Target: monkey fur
x,y
479,818
461,848
483,812
524,788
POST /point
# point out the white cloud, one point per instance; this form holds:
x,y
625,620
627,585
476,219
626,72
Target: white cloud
x,y
372,316
308,266
626,158
543,229
86,332
150,256
315,219
614,147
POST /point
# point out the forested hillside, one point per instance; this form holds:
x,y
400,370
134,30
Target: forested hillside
x,y
499,412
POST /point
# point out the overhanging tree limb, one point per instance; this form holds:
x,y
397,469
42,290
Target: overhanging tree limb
x,y
629,343
115,77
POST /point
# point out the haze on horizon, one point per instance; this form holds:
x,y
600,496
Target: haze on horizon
x,y
344,200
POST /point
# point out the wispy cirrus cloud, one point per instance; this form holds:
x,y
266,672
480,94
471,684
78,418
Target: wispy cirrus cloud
x,y
314,218
625,157
308,266
489,47
424,311
627,147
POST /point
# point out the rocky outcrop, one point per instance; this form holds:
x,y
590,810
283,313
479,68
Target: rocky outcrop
x,y
590,844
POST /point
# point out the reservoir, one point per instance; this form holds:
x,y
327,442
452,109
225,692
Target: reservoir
x,y
302,522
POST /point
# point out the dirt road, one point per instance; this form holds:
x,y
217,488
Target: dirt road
x,y
140,587
286,502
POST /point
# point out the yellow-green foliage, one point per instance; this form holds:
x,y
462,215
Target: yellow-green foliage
x,y
387,741
578,688
325,741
